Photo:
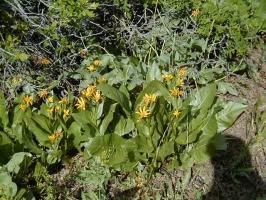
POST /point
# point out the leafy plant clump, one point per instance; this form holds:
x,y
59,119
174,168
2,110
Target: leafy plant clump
x,y
165,123
98,93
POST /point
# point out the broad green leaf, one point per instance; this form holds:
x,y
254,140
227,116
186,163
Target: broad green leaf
x,y
202,153
18,116
54,156
194,127
164,58
100,110
87,121
115,95
154,72
144,145
13,166
124,126
166,149
42,122
206,76
4,120
199,44
143,129
205,147
76,135
204,97
39,132
229,114
8,187
107,119
17,132
29,142
227,88
124,90
6,148
219,142
112,149
209,130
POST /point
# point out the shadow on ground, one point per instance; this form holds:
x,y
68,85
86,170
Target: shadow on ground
x,y
234,176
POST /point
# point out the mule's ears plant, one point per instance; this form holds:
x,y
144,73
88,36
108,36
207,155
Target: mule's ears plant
x,y
151,128
180,130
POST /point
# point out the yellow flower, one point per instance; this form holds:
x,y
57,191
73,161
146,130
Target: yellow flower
x,y
168,77
43,94
43,61
64,100
97,62
92,68
176,92
50,99
195,13
97,96
50,110
66,113
180,82
81,104
176,113
28,100
53,109
52,138
143,112
90,91
56,108
149,99
182,72
22,107
55,136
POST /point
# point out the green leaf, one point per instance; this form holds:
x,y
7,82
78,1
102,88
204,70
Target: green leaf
x,y
166,149
40,131
4,120
107,120
29,142
204,97
54,156
42,121
112,149
116,95
209,129
76,135
144,144
8,187
227,88
86,119
194,127
6,148
154,73
124,126
21,56
17,159
208,142
229,114
206,76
